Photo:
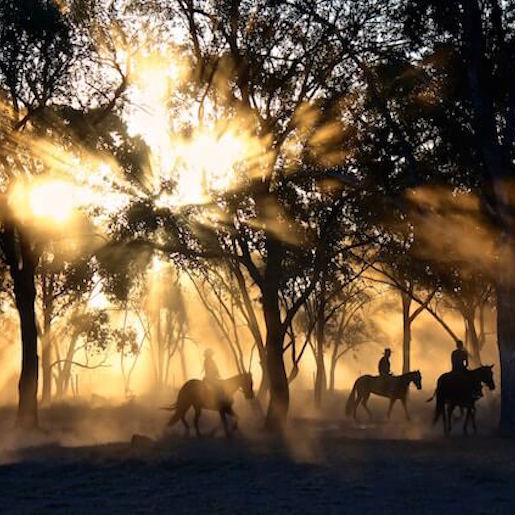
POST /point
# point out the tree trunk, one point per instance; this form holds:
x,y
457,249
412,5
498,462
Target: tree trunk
x,y
320,380
275,333
25,295
279,390
321,376
332,368
46,361
406,334
264,385
472,342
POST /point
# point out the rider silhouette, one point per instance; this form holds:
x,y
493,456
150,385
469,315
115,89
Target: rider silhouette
x,y
384,364
211,373
460,362
459,358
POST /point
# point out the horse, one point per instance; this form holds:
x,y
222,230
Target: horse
x,y
393,387
217,397
460,389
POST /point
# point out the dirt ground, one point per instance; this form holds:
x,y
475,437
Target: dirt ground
x,y
84,463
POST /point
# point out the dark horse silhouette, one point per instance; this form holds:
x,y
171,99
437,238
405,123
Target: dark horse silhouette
x,y
202,395
393,387
463,390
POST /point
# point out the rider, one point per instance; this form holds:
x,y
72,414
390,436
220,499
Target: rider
x,y
211,374
384,364
460,363
459,358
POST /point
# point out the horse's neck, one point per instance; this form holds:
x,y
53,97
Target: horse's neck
x,y
408,377
476,373
233,383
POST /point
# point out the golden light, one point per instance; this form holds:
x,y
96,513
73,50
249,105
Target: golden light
x,y
203,162
53,200
208,163
47,201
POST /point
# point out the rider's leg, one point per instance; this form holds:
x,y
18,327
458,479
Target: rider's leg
x,y
473,417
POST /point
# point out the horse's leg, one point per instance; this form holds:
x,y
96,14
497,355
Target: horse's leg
x,y
450,409
473,417
405,406
390,408
230,411
466,422
364,404
224,421
356,404
198,412
186,425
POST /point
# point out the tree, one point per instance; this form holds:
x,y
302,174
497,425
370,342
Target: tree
x,y
35,56
43,49
480,36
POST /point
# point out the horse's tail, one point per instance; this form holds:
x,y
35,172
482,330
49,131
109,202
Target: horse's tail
x,y
172,407
432,396
351,401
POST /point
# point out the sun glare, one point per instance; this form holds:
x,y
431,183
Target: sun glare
x,y
52,200
205,161
43,200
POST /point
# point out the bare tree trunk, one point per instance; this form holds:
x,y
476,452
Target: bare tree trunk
x,y
332,368
275,332
46,361
321,376
472,342
279,390
25,295
406,334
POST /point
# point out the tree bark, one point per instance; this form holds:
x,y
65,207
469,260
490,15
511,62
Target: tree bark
x,y
275,333
320,376
332,368
46,361
279,390
25,296
473,344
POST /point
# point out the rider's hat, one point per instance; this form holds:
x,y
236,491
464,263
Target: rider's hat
x,y
387,349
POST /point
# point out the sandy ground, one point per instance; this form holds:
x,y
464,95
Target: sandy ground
x,y
85,463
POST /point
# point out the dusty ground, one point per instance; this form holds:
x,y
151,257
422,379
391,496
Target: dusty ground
x,y
85,464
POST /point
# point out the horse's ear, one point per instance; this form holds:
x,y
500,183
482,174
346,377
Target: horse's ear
x,y
492,366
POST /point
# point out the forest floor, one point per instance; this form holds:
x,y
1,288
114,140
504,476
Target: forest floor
x,y
85,463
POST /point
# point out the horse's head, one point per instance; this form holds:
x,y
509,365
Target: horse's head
x,y
247,385
417,379
487,376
